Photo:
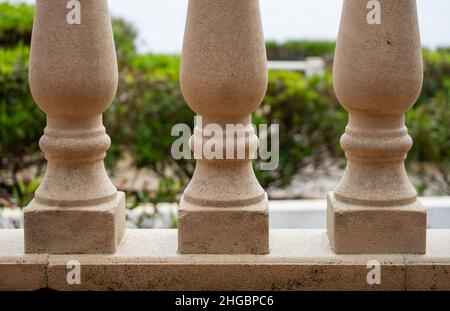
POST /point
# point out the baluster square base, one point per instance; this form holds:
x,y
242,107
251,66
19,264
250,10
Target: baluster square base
x,y
223,230
74,230
354,229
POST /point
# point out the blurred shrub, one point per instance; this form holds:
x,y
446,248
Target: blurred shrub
x,y
429,126
21,121
436,74
300,49
16,21
147,105
310,120
429,120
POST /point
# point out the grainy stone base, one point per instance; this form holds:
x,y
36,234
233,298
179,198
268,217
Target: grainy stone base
x,y
20,271
226,230
299,260
79,230
354,229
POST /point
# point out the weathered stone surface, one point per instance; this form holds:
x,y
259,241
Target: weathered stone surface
x,y
378,74
73,78
223,79
19,271
398,229
204,229
299,260
77,230
430,271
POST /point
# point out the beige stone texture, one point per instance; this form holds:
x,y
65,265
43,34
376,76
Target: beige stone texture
x,y
249,225
299,260
224,79
430,271
378,75
93,229
73,78
397,229
20,271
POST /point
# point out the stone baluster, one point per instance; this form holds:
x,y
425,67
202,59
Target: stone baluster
x,y
73,79
378,76
224,79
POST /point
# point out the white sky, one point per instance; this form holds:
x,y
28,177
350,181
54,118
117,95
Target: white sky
x,y
160,23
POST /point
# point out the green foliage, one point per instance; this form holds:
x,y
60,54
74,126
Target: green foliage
x,y
21,121
16,21
148,104
309,117
299,49
124,37
24,192
429,120
429,126
168,190
445,49
437,75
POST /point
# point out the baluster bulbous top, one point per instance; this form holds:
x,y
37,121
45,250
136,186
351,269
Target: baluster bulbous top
x,y
224,63
378,68
73,67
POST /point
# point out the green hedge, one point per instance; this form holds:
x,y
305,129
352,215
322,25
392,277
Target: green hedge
x,y
16,22
299,50
429,120
20,118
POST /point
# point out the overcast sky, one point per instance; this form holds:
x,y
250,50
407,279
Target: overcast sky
x,y
160,23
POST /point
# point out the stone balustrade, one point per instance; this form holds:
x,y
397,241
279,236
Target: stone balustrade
x,y
224,79
223,241
73,79
378,74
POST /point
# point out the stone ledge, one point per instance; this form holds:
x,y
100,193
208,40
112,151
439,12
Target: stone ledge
x,y
299,260
20,271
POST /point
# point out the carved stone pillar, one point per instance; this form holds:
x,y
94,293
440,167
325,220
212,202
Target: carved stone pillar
x,y
378,76
73,78
224,79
